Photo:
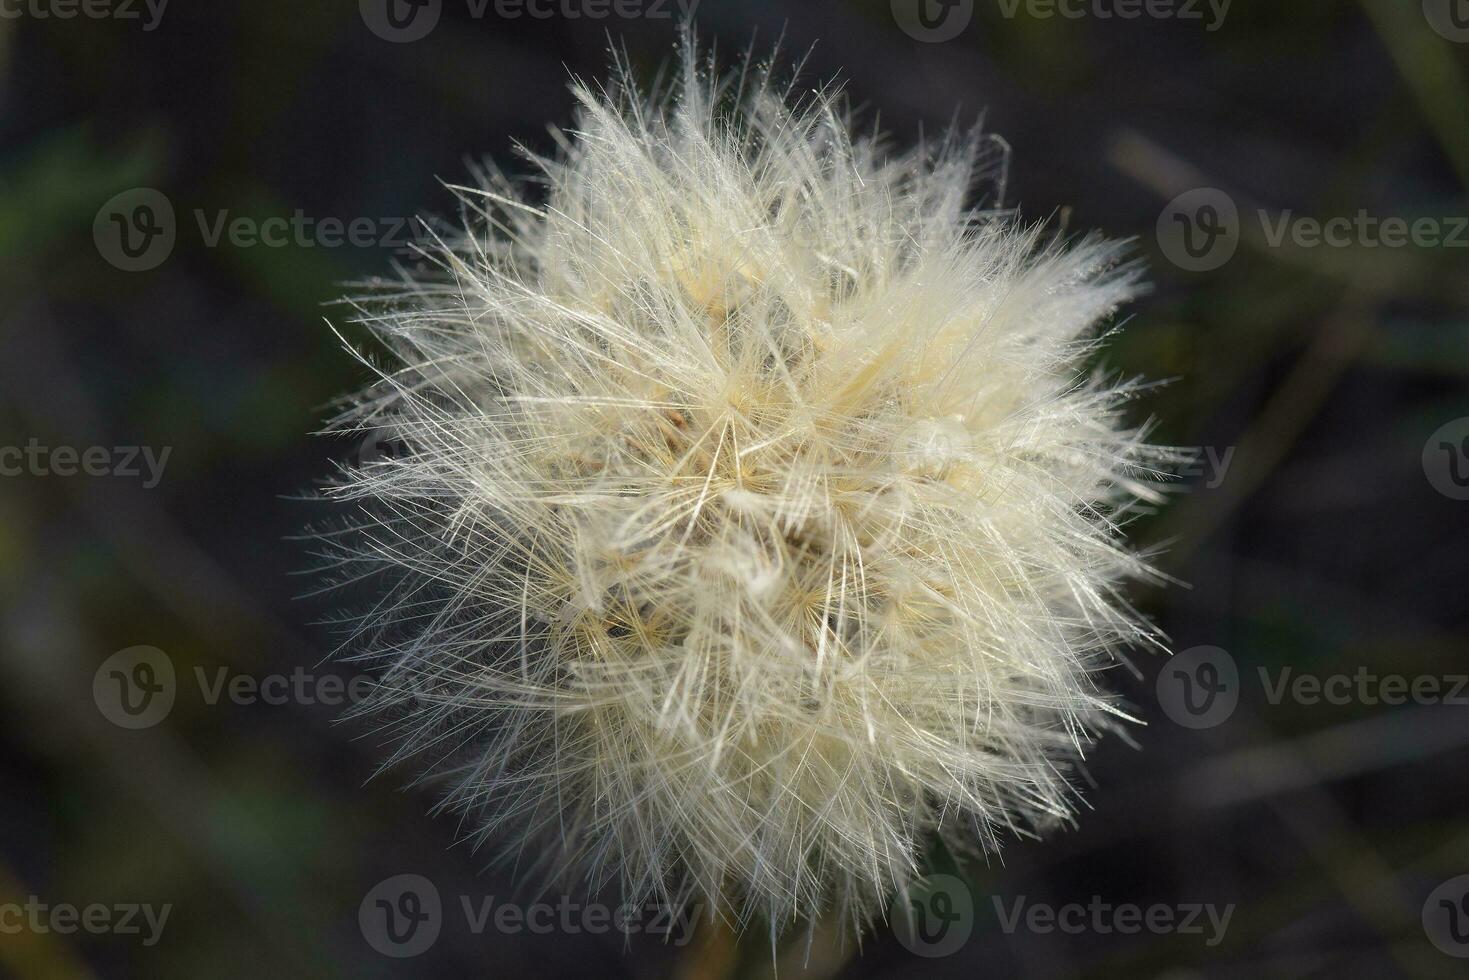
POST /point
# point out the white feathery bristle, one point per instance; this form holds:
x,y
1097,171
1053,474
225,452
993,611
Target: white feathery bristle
x,y
756,519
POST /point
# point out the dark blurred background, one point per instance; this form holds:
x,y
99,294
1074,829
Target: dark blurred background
x,y
1319,543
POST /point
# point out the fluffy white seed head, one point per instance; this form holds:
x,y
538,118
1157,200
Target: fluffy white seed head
x,y
756,518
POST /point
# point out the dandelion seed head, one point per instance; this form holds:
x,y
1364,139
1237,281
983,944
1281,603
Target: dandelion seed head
x,y
757,518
